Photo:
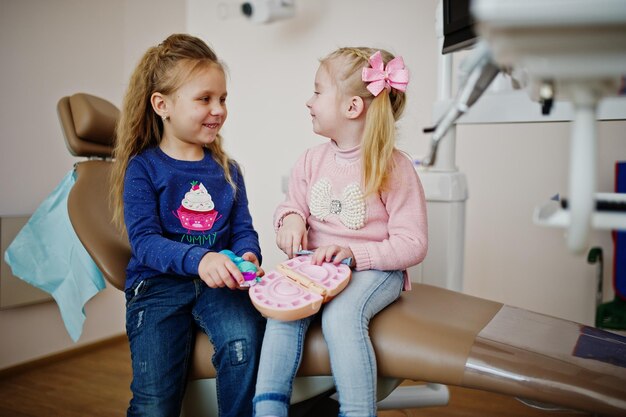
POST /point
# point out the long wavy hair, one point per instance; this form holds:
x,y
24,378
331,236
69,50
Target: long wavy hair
x,y
379,136
163,68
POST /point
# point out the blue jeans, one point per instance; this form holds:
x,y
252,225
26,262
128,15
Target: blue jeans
x,y
345,323
162,316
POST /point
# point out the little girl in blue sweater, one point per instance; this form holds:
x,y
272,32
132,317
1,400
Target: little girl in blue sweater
x,y
182,201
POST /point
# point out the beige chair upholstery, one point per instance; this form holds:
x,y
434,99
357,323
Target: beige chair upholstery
x,y
429,334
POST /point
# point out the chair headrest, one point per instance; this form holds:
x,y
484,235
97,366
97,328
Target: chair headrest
x,y
88,124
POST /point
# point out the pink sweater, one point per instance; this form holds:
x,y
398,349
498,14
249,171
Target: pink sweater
x,y
386,231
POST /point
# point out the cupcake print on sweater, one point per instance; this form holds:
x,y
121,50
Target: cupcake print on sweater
x,y
197,211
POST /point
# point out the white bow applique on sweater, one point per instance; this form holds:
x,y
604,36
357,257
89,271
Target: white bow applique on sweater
x,y
350,208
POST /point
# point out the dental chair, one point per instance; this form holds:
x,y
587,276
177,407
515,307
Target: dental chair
x,y
430,334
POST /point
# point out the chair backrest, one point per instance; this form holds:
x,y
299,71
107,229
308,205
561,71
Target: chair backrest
x,y
88,124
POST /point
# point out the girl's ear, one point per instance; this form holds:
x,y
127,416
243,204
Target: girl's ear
x,y
356,106
159,104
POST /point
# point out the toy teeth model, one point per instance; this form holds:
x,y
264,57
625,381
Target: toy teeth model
x,y
298,289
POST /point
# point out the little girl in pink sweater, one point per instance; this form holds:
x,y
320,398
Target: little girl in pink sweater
x,y
355,196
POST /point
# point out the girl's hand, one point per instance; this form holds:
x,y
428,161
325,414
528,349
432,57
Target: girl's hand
x,y
292,235
332,253
251,257
218,271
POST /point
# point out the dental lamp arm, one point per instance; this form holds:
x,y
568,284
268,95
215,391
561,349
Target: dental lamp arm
x,y
478,71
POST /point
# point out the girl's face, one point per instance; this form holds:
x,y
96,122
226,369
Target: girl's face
x,y
324,105
196,110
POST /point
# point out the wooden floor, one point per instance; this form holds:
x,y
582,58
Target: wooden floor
x,y
95,384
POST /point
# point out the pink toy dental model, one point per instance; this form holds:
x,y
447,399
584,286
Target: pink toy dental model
x,y
298,288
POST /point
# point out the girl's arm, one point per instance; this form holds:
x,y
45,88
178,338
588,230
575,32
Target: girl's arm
x,y
407,243
291,215
141,215
295,202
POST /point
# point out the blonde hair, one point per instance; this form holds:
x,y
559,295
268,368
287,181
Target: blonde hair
x,y
163,68
379,136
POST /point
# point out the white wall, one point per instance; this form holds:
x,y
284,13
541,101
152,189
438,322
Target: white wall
x,y
510,167
50,49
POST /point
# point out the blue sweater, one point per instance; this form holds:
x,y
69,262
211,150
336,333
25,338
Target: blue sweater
x,y
168,237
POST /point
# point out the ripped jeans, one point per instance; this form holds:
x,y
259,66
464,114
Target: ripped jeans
x,y
162,316
345,325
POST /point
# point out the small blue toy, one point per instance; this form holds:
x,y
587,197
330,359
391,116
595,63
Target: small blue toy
x,y
247,268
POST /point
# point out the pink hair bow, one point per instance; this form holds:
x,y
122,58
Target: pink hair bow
x,y
380,77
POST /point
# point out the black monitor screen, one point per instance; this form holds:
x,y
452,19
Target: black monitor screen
x,y
458,25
